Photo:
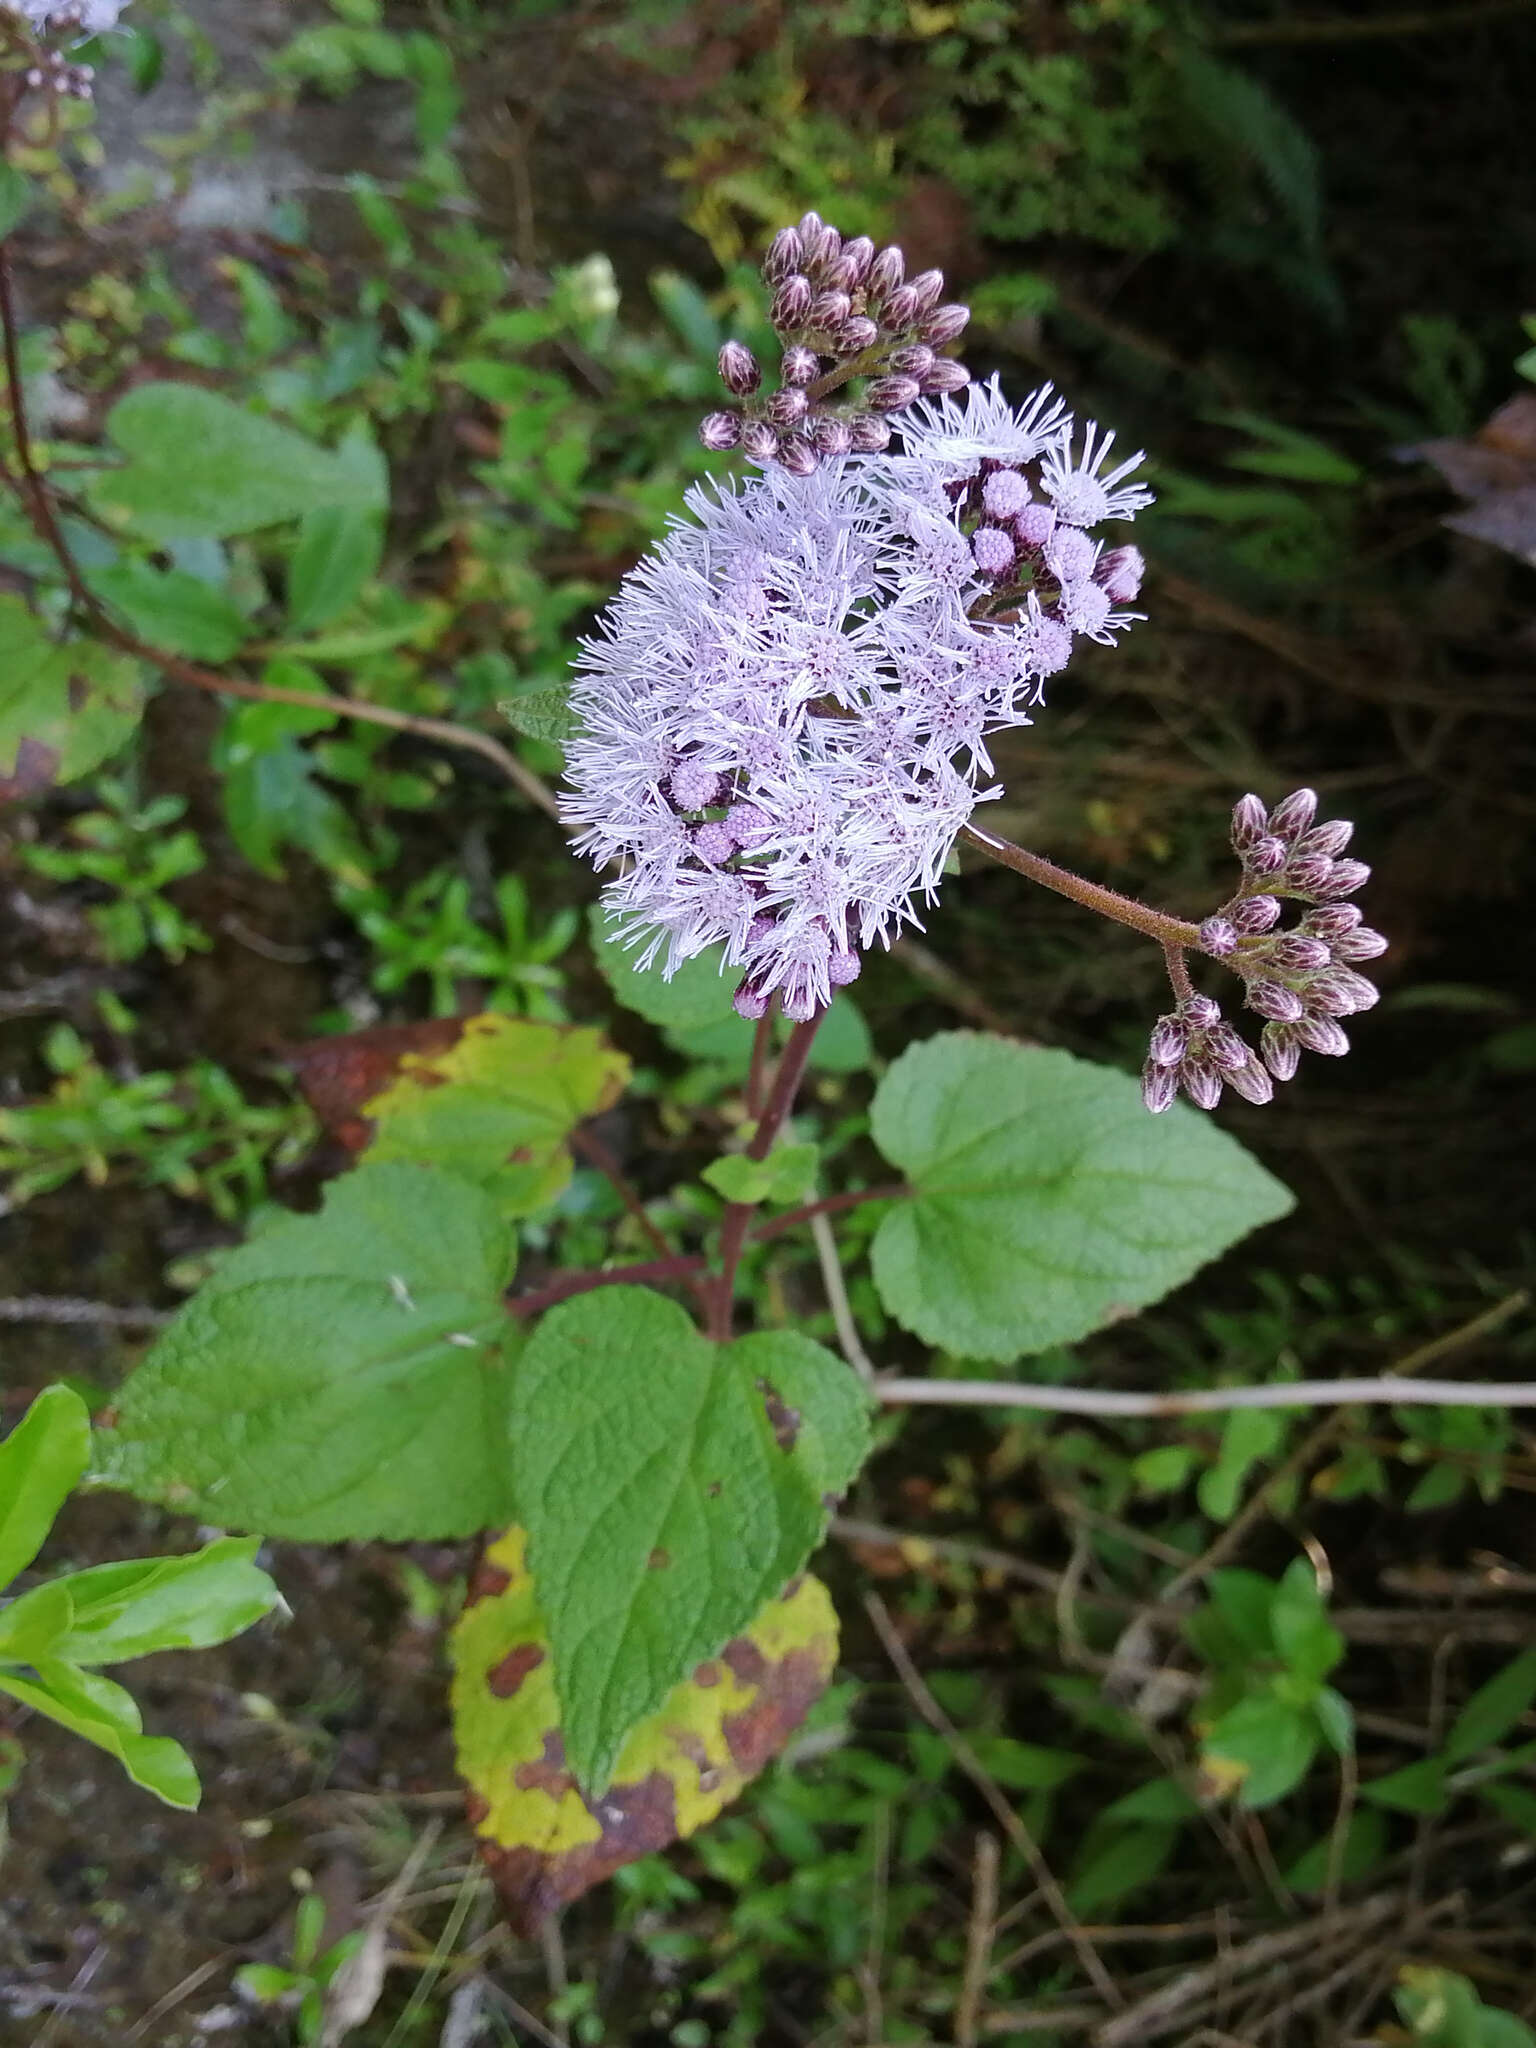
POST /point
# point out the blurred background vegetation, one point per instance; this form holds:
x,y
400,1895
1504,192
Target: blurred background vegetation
x,y
1290,253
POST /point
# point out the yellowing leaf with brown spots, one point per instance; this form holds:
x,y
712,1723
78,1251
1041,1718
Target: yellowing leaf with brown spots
x,y
543,1842
491,1098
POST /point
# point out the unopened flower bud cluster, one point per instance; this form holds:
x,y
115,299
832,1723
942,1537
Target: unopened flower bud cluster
x,y
840,310
1302,980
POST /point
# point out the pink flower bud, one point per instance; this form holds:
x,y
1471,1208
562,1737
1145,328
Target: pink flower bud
x,y
750,1002
858,255
1323,1034
829,309
1361,944
1225,1049
900,310
1299,954
915,361
1251,1082
1199,1012
944,326
720,430
891,394
1347,877
1250,821
785,254
791,303
1332,921
1201,1083
810,223
759,441
870,435
1292,817
929,286
1168,1043
1281,1049
885,272
1120,573
739,369
1254,914
1273,999
843,967
799,365
1218,937
1331,838
855,335
1308,873
799,458
945,376
830,435
1266,856
787,408
1159,1085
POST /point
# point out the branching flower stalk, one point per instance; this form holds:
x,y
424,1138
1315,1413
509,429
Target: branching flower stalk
x,y
784,714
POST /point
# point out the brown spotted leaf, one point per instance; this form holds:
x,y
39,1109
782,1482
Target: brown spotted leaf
x,y
492,1098
545,1843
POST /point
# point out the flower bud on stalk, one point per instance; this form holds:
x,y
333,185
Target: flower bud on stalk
x,y
944,326
740,371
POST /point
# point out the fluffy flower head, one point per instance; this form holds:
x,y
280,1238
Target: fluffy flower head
x,y
785,711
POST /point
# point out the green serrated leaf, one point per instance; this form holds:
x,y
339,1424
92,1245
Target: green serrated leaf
x,y
698,994
41,1462
1047,1201
120,1611
542,715
670,1486
339,548
343,1375
198,463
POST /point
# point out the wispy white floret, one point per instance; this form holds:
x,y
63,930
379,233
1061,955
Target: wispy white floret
x,y
785,710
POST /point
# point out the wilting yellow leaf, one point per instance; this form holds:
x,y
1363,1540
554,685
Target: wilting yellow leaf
x,y
542,1840
497,1104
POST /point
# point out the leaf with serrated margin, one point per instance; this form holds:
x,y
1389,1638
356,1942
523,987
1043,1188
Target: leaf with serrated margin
x,y
1047,1202
542,1840
343,1375
669,1486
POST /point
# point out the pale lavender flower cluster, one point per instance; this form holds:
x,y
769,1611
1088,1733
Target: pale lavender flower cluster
x,y
784,716
1302,980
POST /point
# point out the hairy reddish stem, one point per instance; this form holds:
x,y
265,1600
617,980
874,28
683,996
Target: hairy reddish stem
x,y
1153,924
737,1219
